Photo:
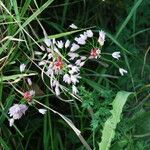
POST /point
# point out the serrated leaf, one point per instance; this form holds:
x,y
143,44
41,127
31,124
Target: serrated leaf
x,y
108,132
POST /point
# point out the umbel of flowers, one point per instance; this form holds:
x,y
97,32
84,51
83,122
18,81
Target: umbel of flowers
x,y
62,61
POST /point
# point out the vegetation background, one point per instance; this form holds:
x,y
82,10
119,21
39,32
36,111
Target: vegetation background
x,y
126,23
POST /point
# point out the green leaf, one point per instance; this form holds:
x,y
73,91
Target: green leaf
x,y
4,144
108,132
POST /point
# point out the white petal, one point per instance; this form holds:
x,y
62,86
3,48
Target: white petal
x,y
32,92
42,111
101,38
73,26
22,67
60,44
89,33
74,47
11,122
116,55
122,71
47,42
29,81
74,89
67,44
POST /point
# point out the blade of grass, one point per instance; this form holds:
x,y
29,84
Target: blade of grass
x,y
136,5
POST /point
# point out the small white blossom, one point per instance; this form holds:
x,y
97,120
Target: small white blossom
x,y
73,26
116,55
67,44
60,44
101,38
74,78
79,63
83,58
22,67
42,111
42,63
73,55
67,79
74,89
82,63
74,69
47,41
122,71
17,110
89,33
80,40
11,122
49,71
29,81
74,47
32,93
54,41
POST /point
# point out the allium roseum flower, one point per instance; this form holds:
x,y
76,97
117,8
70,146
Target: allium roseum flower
x,y
42,111
122,71
74,47
80,40
59,63
73,55
22,67
17,110
74,89
29,81
89,33
60,44
95,53
29,95
11,122
66,78
74,78
67,44
73,26
116,55
101,38
47,42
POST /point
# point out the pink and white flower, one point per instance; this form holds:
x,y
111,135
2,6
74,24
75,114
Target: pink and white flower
x,y
16,111
74,47
66,78
101,38
73,55
95,53
89,33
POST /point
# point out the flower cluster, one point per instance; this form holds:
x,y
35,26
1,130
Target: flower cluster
x,y
61,60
